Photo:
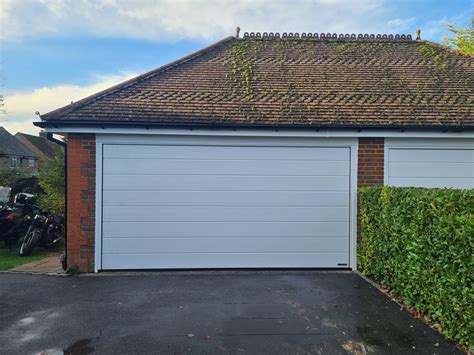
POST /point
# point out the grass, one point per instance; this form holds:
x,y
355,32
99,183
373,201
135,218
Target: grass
x,y
10,258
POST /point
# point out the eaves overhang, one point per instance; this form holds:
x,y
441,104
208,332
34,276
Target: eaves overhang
x,y
243,126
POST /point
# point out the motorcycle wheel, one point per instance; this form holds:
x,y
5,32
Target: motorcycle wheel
x,y
30,242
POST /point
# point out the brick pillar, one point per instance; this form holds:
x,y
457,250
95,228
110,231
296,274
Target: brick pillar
x,y
370,169
371,162
81,201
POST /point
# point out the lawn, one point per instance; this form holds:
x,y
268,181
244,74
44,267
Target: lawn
x,y
10,258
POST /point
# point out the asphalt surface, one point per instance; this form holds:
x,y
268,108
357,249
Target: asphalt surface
x,y
274,313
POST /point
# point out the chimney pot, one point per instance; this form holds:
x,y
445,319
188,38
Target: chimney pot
x,y
418,34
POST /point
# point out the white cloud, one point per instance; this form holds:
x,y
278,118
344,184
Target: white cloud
x,y
166,20
21,106
401,24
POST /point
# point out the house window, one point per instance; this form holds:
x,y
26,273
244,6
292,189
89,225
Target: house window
x,y
15,162
31,162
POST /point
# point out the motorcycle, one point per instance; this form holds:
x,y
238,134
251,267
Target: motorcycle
x,y
45,230
15,218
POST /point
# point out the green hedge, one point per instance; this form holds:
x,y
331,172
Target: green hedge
x,y
419,243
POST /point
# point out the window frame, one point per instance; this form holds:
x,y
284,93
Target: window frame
x,y
15,162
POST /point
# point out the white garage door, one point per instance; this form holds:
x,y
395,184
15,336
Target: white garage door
x,y
170,206
430,163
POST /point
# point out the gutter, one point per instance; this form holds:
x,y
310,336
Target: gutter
x,y
222,126
49,137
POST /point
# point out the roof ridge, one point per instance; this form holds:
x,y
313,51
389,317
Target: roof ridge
x,y
14,146
26,134
125,84
324,36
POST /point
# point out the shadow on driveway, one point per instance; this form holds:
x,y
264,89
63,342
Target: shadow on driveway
x,y
252,312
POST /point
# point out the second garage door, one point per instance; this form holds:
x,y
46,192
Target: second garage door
x,y
200,206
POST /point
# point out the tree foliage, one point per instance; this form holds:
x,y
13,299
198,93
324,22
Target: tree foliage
x,y
463,38
52,181
18,180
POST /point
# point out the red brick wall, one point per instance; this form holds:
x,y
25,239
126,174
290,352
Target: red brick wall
x,y
371,162
81,201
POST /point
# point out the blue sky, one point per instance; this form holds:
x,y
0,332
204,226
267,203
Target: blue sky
x,y
54,51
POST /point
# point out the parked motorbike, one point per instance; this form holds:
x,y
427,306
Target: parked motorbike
x,y
45,230
15,218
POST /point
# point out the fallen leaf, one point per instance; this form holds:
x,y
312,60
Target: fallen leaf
x,y
190,335
208,338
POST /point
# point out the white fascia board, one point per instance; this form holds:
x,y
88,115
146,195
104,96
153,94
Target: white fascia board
x,y
264,133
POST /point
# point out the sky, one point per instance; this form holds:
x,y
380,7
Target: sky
x,y
53,52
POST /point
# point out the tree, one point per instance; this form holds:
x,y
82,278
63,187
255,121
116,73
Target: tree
x,y
18,180
463,38
52,181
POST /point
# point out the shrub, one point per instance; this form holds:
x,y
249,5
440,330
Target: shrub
x,y
19,181
419,243
52,181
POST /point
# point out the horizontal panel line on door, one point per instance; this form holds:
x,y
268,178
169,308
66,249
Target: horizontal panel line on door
x,y
428,163
226,238
232,159
286,222
108,236
429,177
466,147
234,221
240,206
184,144
226,190
227,253
273,175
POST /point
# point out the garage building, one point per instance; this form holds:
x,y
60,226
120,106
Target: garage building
x,y
249,153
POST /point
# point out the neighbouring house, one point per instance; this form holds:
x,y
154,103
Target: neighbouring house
x,y
39,145
15,155
249,153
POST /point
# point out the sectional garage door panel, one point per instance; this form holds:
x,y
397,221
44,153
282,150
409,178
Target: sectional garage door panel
x,y
223,182
206,206
431,167
209,152
187,229
221,245
226,198
219,260
138,166
226,214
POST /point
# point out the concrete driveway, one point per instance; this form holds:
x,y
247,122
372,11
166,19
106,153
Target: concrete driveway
x,y
253,312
